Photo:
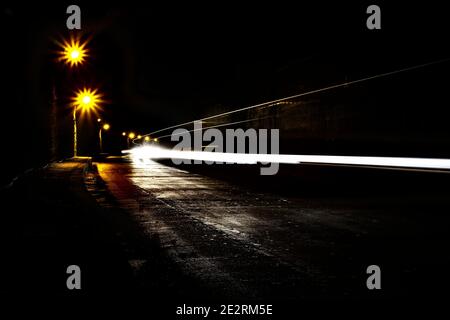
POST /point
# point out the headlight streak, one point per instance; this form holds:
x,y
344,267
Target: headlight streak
x,y
155,152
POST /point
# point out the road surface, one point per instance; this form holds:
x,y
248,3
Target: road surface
x,y
246,244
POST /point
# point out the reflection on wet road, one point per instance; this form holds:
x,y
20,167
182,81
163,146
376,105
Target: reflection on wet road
x,y
251,244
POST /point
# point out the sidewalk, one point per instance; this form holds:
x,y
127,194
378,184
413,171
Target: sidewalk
x,y
50,221
64,215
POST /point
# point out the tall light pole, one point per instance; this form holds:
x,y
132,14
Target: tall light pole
x,y
74,53
124,134
85,100
131,136
104,127
75,142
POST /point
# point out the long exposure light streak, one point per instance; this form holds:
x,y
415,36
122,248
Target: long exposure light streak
x,y
155,152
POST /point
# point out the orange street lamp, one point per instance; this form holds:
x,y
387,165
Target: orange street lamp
x,y
73,52
86,100
130,137
106,128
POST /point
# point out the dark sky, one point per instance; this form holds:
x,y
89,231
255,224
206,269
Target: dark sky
x,y
151,57
160,64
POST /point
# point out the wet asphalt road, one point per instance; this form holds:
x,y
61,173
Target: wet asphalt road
x,y
247,244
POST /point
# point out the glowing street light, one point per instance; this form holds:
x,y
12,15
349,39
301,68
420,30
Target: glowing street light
x,y
106,128
86,100
139,136
73,52
130,136
124,134
147,139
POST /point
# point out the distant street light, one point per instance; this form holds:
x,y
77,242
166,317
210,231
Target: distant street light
x,y
106,128
131,136
147,139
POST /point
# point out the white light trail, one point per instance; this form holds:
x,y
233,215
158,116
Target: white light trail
x,y
152,152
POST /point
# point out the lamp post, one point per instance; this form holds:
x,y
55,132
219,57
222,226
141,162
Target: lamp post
x,y
75,142
85,100
73,53
124,134
131,136
104,127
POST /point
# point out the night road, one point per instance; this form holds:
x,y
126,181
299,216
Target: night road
x,y
225,160
250,244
